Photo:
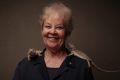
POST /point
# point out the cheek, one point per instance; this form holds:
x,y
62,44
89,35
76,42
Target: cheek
x,y
62,34
44,32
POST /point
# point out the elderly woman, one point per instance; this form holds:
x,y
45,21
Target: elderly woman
x,y
56,61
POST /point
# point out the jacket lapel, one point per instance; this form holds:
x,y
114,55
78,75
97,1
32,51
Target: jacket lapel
x,y
41,67
65,67
43,70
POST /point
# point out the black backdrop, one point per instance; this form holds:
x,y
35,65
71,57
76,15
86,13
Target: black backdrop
x,y
96,32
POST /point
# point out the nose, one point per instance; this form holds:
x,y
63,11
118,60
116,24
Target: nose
x,y
53,30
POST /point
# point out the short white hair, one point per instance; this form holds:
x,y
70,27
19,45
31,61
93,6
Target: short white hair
x,y
60,9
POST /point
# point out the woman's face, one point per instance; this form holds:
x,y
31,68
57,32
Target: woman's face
x,y
53,33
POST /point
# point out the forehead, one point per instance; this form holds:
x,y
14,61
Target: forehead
x,y
54,18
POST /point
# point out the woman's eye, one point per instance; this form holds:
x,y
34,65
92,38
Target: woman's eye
x,y
47,26
60,27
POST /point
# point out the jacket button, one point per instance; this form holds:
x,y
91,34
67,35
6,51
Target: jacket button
x,y
70,63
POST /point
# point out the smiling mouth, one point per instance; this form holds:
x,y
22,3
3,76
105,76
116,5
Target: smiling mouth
x,y
53,38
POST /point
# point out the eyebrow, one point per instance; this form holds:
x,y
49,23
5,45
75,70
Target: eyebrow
x,y
48,23
56,25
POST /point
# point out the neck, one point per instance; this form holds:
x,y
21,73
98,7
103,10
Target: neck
x,y
55,53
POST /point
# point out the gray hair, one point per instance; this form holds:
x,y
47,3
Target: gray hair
x,y
60,9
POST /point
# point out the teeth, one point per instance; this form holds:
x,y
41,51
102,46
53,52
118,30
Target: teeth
x,y
52,39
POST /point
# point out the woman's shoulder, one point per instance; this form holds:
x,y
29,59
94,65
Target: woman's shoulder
x,y
32,56
23,62
81,58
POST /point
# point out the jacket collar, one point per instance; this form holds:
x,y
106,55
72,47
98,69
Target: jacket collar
x,y
68,62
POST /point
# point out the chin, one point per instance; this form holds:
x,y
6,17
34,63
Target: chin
x,y
53,46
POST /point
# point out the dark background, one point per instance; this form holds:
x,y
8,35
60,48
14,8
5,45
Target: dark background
x,y
96,32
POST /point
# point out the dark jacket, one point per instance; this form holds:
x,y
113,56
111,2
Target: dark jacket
x,y
73,68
